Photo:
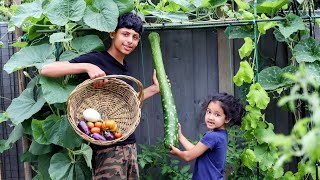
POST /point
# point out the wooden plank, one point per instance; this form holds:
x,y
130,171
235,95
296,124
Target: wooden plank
x,y
225,62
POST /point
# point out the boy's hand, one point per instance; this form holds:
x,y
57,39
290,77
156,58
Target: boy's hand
x,y
95,72
173,150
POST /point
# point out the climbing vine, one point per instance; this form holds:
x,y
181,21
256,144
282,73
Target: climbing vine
x,y
38,111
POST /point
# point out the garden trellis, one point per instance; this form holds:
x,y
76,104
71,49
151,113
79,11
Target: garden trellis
x,y
249,26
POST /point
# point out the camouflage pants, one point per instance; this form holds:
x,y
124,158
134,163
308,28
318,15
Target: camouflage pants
x,y
116,163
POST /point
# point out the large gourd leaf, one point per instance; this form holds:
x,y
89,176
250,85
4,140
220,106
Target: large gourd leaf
x,y
54,90
269,6
39,149
272,78
292,24
307,50
93,43
257,96
265,156
62,167
86,151
43,166
60,12
249,158
25,11
217,3
246,48
24,106
244,74
125,6
59,132
14,136
38,131
102,15
59,37
313,70
36,56
173,17
239,32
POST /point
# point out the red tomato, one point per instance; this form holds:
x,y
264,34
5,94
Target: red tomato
x,y
117,135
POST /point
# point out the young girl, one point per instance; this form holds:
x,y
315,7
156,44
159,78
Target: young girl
x,y
210,151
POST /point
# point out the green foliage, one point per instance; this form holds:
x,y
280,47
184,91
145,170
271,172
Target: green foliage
x,y
246,48
307,50
155,158
244,74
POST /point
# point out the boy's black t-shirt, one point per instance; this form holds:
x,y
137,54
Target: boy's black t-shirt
x,y
111,67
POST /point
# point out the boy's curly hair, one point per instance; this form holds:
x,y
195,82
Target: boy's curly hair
x,y
131,21
231,106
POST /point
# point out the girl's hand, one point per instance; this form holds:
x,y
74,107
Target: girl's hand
x,y
173,150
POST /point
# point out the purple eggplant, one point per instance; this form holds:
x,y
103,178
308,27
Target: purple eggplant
x,y
98,136
84,127
109,136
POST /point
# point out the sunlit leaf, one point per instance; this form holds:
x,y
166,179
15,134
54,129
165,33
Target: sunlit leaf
x,y
173,17
25,11
102,15
30,56
125,6
246,48
272,78
257,96
244,74
248,158
60,12
292,24
239,32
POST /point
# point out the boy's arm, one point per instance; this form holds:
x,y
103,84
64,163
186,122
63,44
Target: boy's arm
x,y
62,68
153,89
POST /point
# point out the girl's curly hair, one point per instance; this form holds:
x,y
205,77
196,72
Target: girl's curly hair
x,y
231,106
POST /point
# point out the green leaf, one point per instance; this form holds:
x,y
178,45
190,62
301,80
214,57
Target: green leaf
x,y
38,131
279,36
185,169
86,151
62,167
68,55
43,166
60,12
19,44
93,42
53,86
270,6
125,6
102,15
246,48
59,132
1,44
272,78
28,157
4,117
242,5
292,24
307,50
216,3
258,96
244,74
39,149
311,144
264,26
248,158
265,157
24,106
26,11
239,32
262,132
313,70
14,136
30,56
60,37
251,119
173,17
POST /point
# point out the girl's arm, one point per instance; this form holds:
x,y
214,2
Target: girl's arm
x,y
184,141
191,154
153,89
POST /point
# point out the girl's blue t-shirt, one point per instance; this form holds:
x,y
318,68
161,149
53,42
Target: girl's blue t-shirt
x,y
210,165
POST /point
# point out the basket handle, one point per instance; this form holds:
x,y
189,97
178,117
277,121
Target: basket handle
x,y
140,86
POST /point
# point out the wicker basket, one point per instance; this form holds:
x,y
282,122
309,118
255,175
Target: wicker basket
x,y
116,100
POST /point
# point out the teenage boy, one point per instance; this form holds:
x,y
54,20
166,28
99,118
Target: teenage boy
x,y
118,161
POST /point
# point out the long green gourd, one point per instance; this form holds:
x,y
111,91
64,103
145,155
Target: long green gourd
x,y
168,105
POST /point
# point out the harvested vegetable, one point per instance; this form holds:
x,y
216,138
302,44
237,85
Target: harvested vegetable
x,y
95,130
91,115
83,127
117,135
98,136
109,136
168,105
109,125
